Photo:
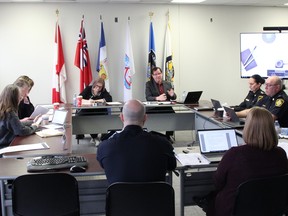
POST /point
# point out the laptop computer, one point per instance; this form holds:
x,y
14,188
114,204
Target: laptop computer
x,y
58,120
235,121
216,104
213,143
192,98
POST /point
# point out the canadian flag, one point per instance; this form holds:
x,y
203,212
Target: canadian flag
x,y
59,71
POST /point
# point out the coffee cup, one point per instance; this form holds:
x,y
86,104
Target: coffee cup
x,y
79,100
56,106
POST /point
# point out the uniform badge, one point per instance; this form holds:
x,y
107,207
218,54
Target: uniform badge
x,y
279,102
259,97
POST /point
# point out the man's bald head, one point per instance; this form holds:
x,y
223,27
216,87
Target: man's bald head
x,y
133,113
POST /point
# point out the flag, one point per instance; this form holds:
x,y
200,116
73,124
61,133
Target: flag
x,y
102,61
82,60
129,69
151,54
59,71
168,67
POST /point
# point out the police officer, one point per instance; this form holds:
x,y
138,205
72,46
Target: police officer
x,y
254,95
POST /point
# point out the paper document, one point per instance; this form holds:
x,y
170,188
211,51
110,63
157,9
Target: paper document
x,y
113,103
191,159
49,133
39,110
27,147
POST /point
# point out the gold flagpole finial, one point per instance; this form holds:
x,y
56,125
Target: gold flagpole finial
x,y
101,17
83,16
57,12
151,15
129,18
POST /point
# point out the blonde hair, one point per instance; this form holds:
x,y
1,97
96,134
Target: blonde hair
x,y
27,80
259,130
9,100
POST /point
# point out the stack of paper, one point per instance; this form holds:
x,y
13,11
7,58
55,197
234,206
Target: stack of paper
x,y
49,133
191,159
26,147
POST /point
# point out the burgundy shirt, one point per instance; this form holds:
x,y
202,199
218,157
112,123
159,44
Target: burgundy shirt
x,y
240,164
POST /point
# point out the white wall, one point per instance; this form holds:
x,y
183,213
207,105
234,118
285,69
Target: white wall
x,y
206,54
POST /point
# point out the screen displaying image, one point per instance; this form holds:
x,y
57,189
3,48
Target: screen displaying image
x,y
265,54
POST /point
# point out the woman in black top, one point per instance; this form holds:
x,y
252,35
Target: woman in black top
x,y
254,95
95,93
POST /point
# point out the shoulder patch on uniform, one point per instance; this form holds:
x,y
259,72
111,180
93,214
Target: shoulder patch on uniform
x,y
279,102
259,97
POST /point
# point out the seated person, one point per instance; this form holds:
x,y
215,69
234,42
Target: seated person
x,y
259,157
10,125
158,89
95,93
276,101
26,108
254,95
135,155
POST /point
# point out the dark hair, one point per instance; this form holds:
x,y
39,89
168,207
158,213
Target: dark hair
x,y
9,100
258,79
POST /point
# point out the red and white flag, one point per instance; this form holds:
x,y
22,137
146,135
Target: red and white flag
x,y
82,59
59,71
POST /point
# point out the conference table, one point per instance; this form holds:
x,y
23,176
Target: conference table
x,y
194,180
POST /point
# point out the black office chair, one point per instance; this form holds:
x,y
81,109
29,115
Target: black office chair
x,y
46,195
141,199
264,196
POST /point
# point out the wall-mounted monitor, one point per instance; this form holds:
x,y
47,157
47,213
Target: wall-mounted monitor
x,y
264,53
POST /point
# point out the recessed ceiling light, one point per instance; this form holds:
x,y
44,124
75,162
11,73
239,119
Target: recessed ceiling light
x,y
187,1
286,4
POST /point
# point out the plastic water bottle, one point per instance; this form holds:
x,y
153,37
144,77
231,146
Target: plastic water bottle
x,y
75,100
277,127
184,95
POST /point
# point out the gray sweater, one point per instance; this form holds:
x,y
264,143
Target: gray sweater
x,y
10,127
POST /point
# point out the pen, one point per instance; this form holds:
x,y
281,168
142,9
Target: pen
x,y
199,160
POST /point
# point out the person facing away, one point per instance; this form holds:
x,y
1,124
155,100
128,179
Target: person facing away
x,y
10,125
276,101
95,93
254,95
158,89
26,108
259,157
135,155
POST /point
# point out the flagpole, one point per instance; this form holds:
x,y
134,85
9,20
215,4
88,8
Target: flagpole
x,y
151,15
58,76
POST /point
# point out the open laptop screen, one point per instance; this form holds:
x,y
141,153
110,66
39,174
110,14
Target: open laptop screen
x,y
217,140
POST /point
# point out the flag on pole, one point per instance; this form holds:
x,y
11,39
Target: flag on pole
x,y
82,60
168,54
102,61
151,54
59,71
129,69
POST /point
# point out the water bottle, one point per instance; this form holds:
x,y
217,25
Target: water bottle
x,y
184,95
75,100
277,127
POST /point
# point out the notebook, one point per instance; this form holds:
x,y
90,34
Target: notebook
x,y
235,121
58,120
192,98
214,143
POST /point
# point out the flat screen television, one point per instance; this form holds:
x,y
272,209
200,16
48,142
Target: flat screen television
x,y
264,53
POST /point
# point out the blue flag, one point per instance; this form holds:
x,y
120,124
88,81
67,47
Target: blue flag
x,y
151,54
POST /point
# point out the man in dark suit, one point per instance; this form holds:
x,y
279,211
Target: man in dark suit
x,y
158,89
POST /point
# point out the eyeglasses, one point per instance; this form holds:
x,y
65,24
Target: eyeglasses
x,y
270,85
99,86
156,74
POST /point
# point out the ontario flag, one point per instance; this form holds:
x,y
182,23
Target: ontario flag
x,y
59,71
151,54
82,60
129,69
102,61
168,66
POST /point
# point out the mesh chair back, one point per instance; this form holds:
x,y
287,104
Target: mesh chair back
x,y
45,194
264,196
141,199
